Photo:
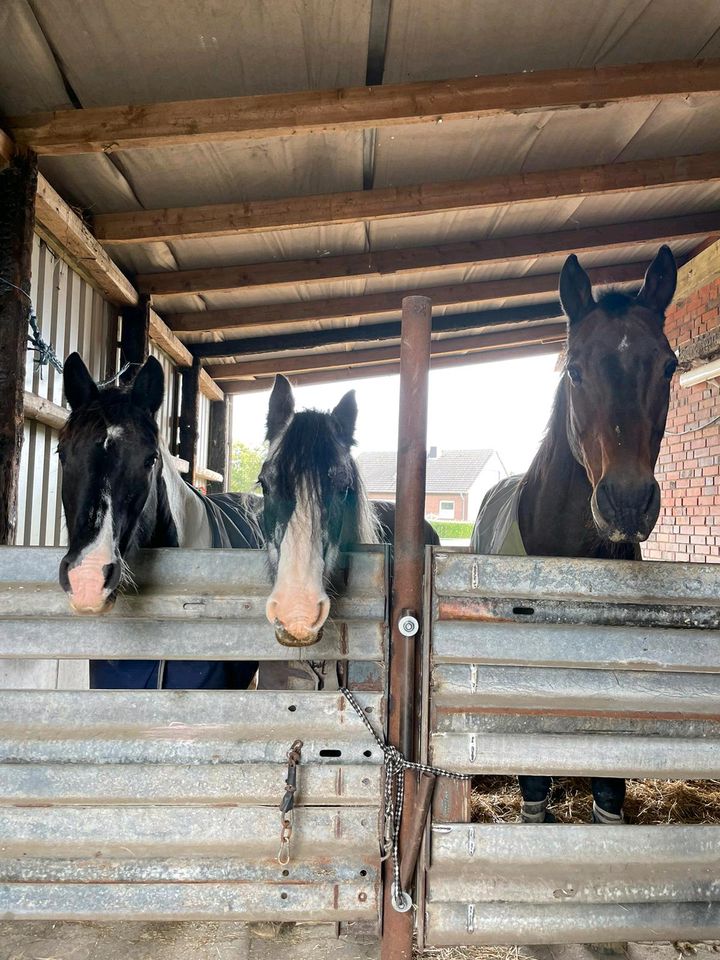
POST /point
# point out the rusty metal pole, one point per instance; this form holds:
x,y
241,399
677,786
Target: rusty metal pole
x,y
407,595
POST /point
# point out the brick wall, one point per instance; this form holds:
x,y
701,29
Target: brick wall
x,y
688,469
432,504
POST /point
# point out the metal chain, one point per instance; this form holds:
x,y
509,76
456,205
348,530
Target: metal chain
x,y
395,766
287,803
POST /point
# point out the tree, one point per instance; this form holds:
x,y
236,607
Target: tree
x,y
245,465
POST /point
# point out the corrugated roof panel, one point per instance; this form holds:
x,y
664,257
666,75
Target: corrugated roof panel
x,y
429,40
139,51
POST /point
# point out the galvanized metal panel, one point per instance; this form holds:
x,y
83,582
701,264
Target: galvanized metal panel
x,y
191,585
576,645
115,638
177,831
452,924
466,575
464,686
576,755
184,714
63,784
483,863
126,869
187,901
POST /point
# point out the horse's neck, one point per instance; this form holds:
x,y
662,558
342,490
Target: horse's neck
x,y
185,506
554,511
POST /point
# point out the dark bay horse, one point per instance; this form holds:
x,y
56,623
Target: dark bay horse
x,y
121,491
591,489
314,509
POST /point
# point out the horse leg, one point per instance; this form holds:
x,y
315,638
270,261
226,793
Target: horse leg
x,y
608,800
535,792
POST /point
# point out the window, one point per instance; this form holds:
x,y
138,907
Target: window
x,y
446,510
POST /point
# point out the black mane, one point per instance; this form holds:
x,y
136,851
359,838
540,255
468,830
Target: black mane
x,y
113,407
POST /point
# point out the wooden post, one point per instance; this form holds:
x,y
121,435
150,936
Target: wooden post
x,y
189,415
17,219
135,337
220,438
407,594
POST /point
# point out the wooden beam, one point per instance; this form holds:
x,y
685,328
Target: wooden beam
x,y
378,304
698,272
341,375
219,444
189,415
134,337
374,332
163,337
348,359
232,219
44,411
7,150
439,257
17,214
77,242
206,477
208,387
105,129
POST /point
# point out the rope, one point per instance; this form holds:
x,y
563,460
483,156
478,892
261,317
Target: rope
x,y
44,352
394,797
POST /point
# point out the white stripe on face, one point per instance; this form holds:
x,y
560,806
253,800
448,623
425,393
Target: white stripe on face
x,y
298,602
87,577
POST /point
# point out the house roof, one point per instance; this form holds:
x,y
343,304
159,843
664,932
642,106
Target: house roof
x,y
453,471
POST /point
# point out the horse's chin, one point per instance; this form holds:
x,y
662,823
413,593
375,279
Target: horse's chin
x,y
104,605
608,531
288,640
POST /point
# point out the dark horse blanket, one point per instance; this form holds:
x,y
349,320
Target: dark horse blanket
x,y
233,523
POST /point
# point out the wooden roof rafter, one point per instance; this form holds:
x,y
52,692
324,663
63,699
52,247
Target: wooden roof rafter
x,y
137,126
232,219
378,304
382,263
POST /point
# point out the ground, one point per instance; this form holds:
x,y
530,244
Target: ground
x,y
39,940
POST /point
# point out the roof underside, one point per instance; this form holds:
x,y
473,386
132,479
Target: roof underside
x,y
59,54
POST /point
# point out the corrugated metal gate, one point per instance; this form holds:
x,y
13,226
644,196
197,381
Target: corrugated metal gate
x,y
571,667
163,805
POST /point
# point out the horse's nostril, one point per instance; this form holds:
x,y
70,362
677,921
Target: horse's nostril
x,y
112,572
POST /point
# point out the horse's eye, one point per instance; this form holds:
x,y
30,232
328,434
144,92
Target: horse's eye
x,y
150,461
573,371
670,368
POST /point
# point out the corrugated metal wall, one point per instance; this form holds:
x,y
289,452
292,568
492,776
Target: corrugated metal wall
x,y
203,440
71,316
168,413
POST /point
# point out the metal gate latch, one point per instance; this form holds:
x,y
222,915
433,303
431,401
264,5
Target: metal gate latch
x,y
408,623
287,803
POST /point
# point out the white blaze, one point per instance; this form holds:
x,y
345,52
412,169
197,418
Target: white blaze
x,y
87,577
298,601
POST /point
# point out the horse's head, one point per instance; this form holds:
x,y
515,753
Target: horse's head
x,y
617,380
313,507
109,452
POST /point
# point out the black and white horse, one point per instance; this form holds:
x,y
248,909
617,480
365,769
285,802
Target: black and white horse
x,y
314,510
121,490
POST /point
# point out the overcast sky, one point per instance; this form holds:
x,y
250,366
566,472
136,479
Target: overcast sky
x,y
503,405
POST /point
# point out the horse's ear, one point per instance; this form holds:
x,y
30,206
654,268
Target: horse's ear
x,y
345,416
281,408
80,388
658,288
576,294
148,388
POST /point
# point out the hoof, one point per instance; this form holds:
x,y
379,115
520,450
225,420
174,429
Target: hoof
x,y
605,818
536,812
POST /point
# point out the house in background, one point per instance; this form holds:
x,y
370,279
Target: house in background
x,y
456,482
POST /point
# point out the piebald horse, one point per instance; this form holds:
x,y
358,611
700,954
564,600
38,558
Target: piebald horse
x,y
314,510
591,489
121,491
